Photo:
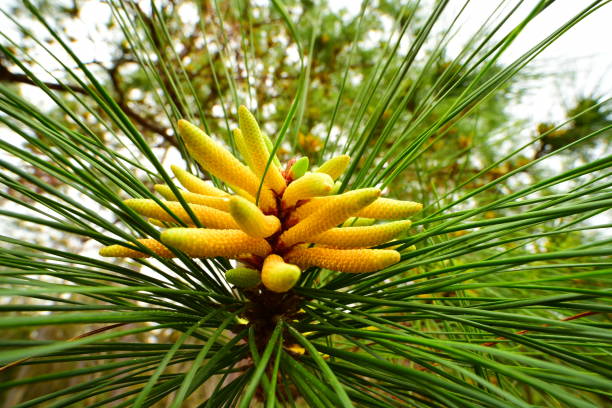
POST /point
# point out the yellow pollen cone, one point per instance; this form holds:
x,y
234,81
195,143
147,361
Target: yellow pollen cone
x,y
216,159
258,153
361,237
312,205
344,260
278,276
308,186
209,243
329,215
220,203
125,252
196,184
389,209
250,218
335,166
209,217
243,277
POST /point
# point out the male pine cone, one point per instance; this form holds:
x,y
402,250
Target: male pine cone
x,y
243,221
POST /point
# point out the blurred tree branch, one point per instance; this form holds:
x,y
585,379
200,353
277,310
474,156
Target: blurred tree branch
x,y
7,75
147,123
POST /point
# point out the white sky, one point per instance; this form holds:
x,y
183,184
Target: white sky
x,y
581,60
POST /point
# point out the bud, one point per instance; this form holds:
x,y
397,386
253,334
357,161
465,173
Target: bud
x,y
250,218
258,152
209,217
398,246
220,203
335,166
279,276
308,186
120,251
196,184
361,237
329,215
243,277
299,168
389,209
209,243
344,260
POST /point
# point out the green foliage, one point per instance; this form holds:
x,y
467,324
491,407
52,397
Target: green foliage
x,y
501,297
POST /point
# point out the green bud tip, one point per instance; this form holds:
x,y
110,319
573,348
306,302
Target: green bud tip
x,y
243,277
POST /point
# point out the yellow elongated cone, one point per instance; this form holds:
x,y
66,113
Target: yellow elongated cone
x,y
125,252
361,237
220,203
243,277
344,260
216,159
278,276
209,217
242,148
251,220
328,216
196,184
335,166
312,205
258,152
308,186
389,209
209,243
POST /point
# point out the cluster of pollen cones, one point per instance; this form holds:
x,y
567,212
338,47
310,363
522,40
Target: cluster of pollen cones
x,y
294,221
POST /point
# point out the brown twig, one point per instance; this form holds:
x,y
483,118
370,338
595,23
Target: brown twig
x,y
146,123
